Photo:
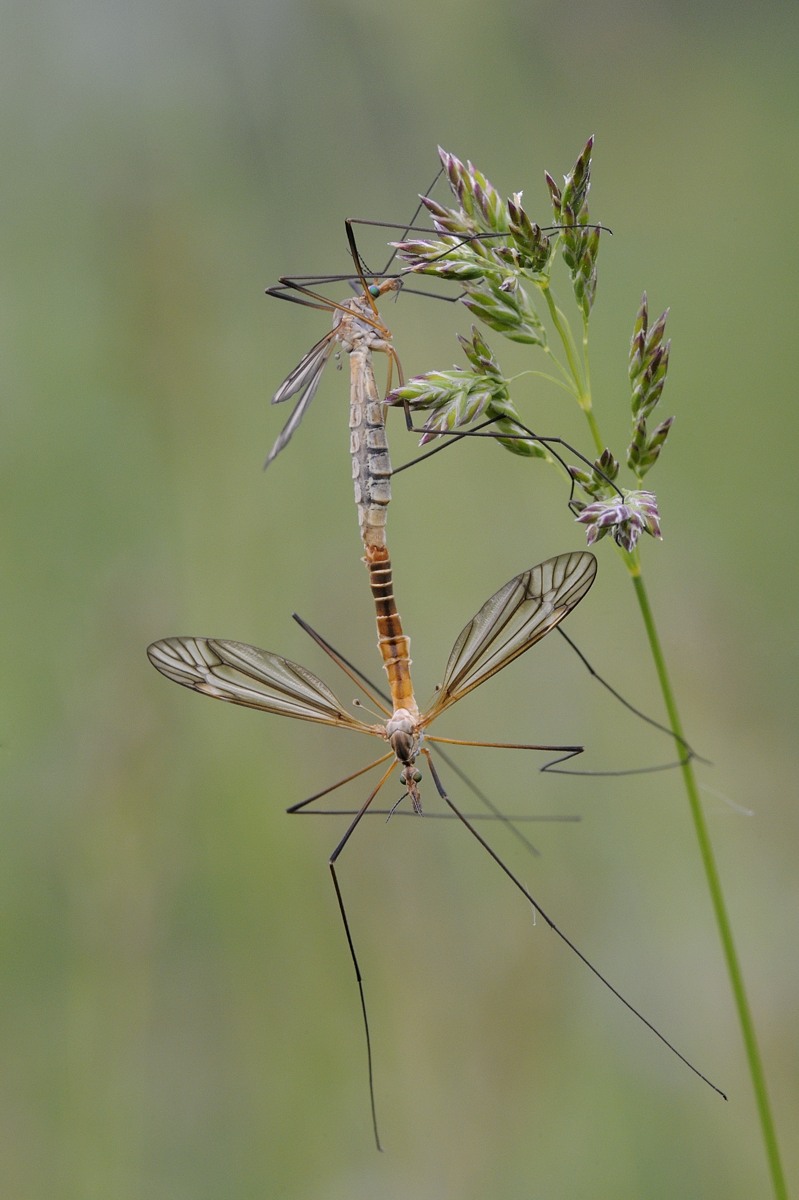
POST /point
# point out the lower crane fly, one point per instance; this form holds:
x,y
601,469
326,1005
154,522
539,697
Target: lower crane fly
x,y
517,616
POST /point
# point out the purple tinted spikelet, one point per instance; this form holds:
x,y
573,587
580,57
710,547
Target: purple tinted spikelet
x,y
625,519
457,398
647,367
580,241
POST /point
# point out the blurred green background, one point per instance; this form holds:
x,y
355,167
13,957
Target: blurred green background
x,y
179,1016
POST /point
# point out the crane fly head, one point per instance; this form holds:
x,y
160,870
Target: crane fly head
x,y
379,287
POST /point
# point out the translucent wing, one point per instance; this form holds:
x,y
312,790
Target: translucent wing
x,y
304,379
256,678
513,620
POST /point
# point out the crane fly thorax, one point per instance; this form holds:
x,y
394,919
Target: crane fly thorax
x,y
403,734
357,330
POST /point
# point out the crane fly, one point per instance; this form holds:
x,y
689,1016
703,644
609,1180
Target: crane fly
x,y
509,623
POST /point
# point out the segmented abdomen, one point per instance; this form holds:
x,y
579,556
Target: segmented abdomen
x,y
393,644
371,466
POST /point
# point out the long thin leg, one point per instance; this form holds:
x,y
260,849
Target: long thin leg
x,y
483,430
494,814
552,819
290,284
545,916
374,694
332,864
287,288
493,811
302,804
406,229
689,752
486,235
568,752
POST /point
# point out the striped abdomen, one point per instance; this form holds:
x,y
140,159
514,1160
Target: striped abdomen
x,y
394,646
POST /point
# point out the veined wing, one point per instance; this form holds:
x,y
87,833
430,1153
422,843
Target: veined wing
x,y
304,379
256,678
511,621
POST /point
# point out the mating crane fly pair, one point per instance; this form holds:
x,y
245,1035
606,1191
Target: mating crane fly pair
x,y
510,622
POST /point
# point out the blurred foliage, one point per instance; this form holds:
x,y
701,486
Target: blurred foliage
x,y
179,1015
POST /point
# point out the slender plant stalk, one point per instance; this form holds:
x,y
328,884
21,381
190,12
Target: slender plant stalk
x,y
716,896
